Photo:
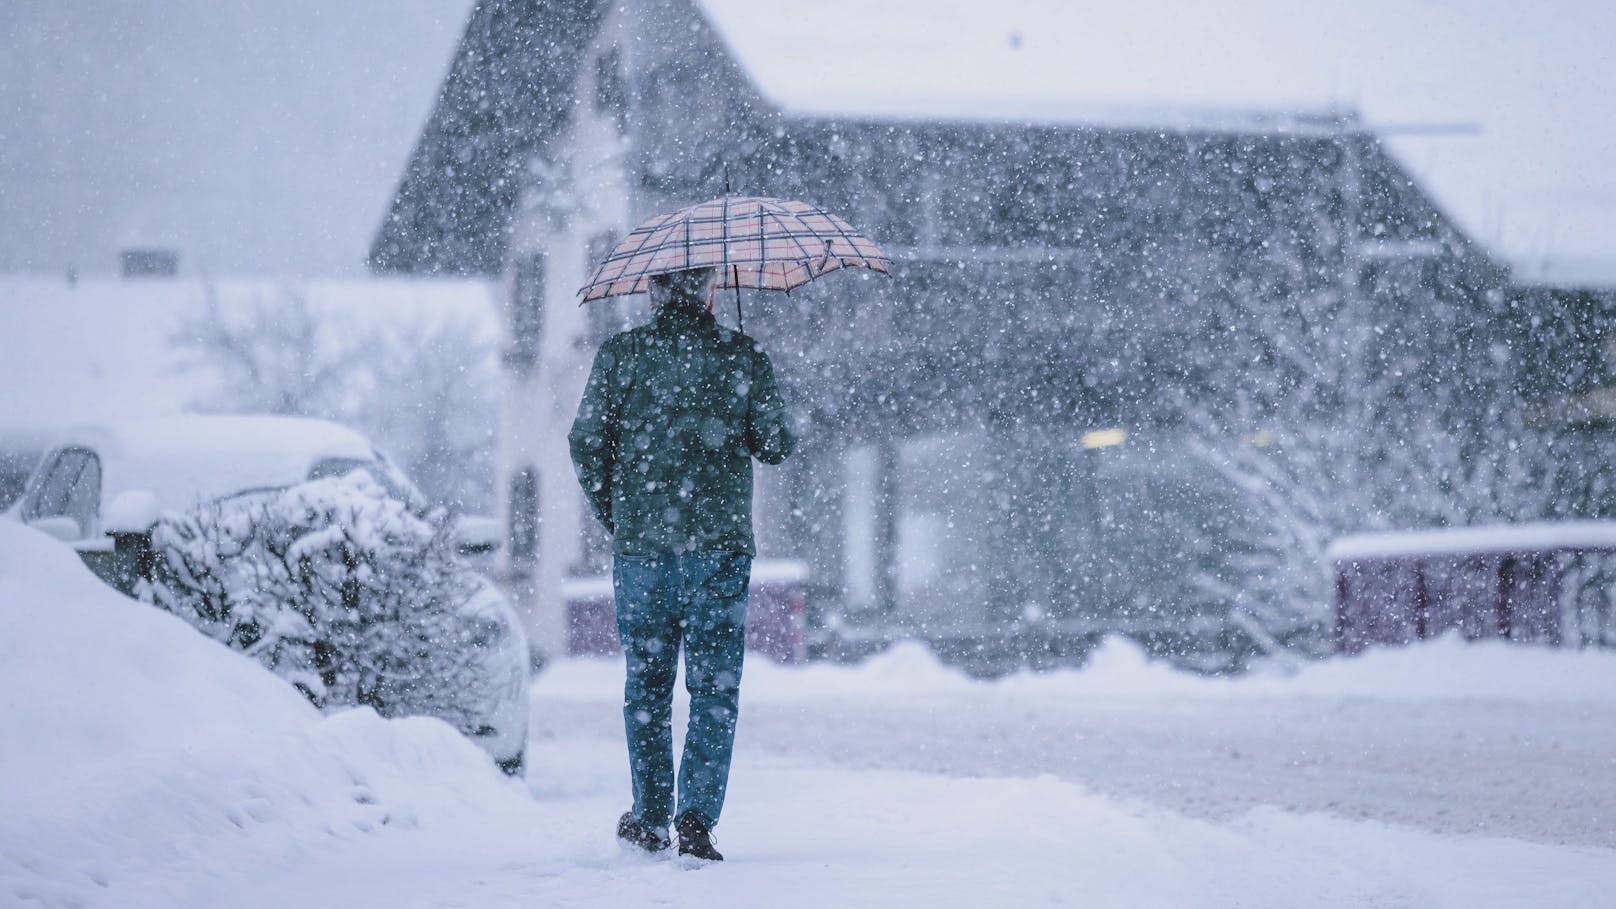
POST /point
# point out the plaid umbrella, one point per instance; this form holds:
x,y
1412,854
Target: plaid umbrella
x,y
770,244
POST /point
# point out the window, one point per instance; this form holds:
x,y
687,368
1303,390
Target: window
x,y
524,517
70,488
527,312
385,474
84,500
611,94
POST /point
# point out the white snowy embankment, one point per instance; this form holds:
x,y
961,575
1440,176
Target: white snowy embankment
x,y
144,765
140,757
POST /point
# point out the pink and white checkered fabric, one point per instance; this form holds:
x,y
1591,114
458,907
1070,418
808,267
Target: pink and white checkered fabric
x,y
770,244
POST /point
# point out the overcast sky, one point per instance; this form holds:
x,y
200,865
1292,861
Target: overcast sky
x,y
254,137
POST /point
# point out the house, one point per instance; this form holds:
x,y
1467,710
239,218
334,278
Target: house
x,y
988,457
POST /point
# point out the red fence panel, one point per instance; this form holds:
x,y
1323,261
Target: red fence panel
x,y
1503,582
776,598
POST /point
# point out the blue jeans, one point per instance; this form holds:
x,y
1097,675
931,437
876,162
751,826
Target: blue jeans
x,y
698,599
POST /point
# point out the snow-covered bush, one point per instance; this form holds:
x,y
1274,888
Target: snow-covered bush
x,y
1363,405
341,590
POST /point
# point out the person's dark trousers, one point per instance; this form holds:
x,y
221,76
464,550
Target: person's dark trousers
x,y
698,599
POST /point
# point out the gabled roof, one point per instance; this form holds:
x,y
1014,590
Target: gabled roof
x,y
1258,67
506,94
1499,110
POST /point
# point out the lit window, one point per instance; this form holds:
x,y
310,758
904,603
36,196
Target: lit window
x,y
1104,438
611,94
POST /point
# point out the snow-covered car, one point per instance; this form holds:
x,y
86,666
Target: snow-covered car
x,y
102,488
18,458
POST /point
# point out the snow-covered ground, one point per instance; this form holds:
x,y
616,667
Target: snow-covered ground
x,y
143,765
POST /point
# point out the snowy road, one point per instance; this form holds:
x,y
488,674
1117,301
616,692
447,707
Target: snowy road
x,y
1476,768
1528,769
1483,767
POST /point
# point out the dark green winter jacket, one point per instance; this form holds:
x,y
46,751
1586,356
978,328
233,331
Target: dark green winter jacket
x,y
671,418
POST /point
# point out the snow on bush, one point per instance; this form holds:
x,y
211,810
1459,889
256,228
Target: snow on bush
x,y
347,593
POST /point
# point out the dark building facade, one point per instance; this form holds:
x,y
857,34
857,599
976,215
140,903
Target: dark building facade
x,y
994,454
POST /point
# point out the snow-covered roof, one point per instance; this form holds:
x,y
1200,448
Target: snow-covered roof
x,y
253,138
1526,537
1528,174
507,91
104,349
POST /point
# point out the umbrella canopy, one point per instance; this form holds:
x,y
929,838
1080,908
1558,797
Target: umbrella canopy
x,y
769,244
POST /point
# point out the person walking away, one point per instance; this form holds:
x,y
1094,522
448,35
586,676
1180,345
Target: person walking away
x,y
671,418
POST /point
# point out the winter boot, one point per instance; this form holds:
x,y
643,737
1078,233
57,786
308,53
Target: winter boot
x,y
696,839
631,832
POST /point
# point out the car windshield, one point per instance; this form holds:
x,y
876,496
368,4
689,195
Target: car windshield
x,y
397,485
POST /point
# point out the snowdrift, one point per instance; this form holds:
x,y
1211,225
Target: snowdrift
x,y
136,750
1447,668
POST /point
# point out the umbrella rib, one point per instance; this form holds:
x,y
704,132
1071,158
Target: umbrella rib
x,y
793,237
650,230
689,227
850,241
646,232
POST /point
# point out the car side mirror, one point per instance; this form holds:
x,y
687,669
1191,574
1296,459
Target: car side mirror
x,y
58,526
130,511
477,534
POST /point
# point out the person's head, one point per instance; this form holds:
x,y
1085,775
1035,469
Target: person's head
x,y
691,285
